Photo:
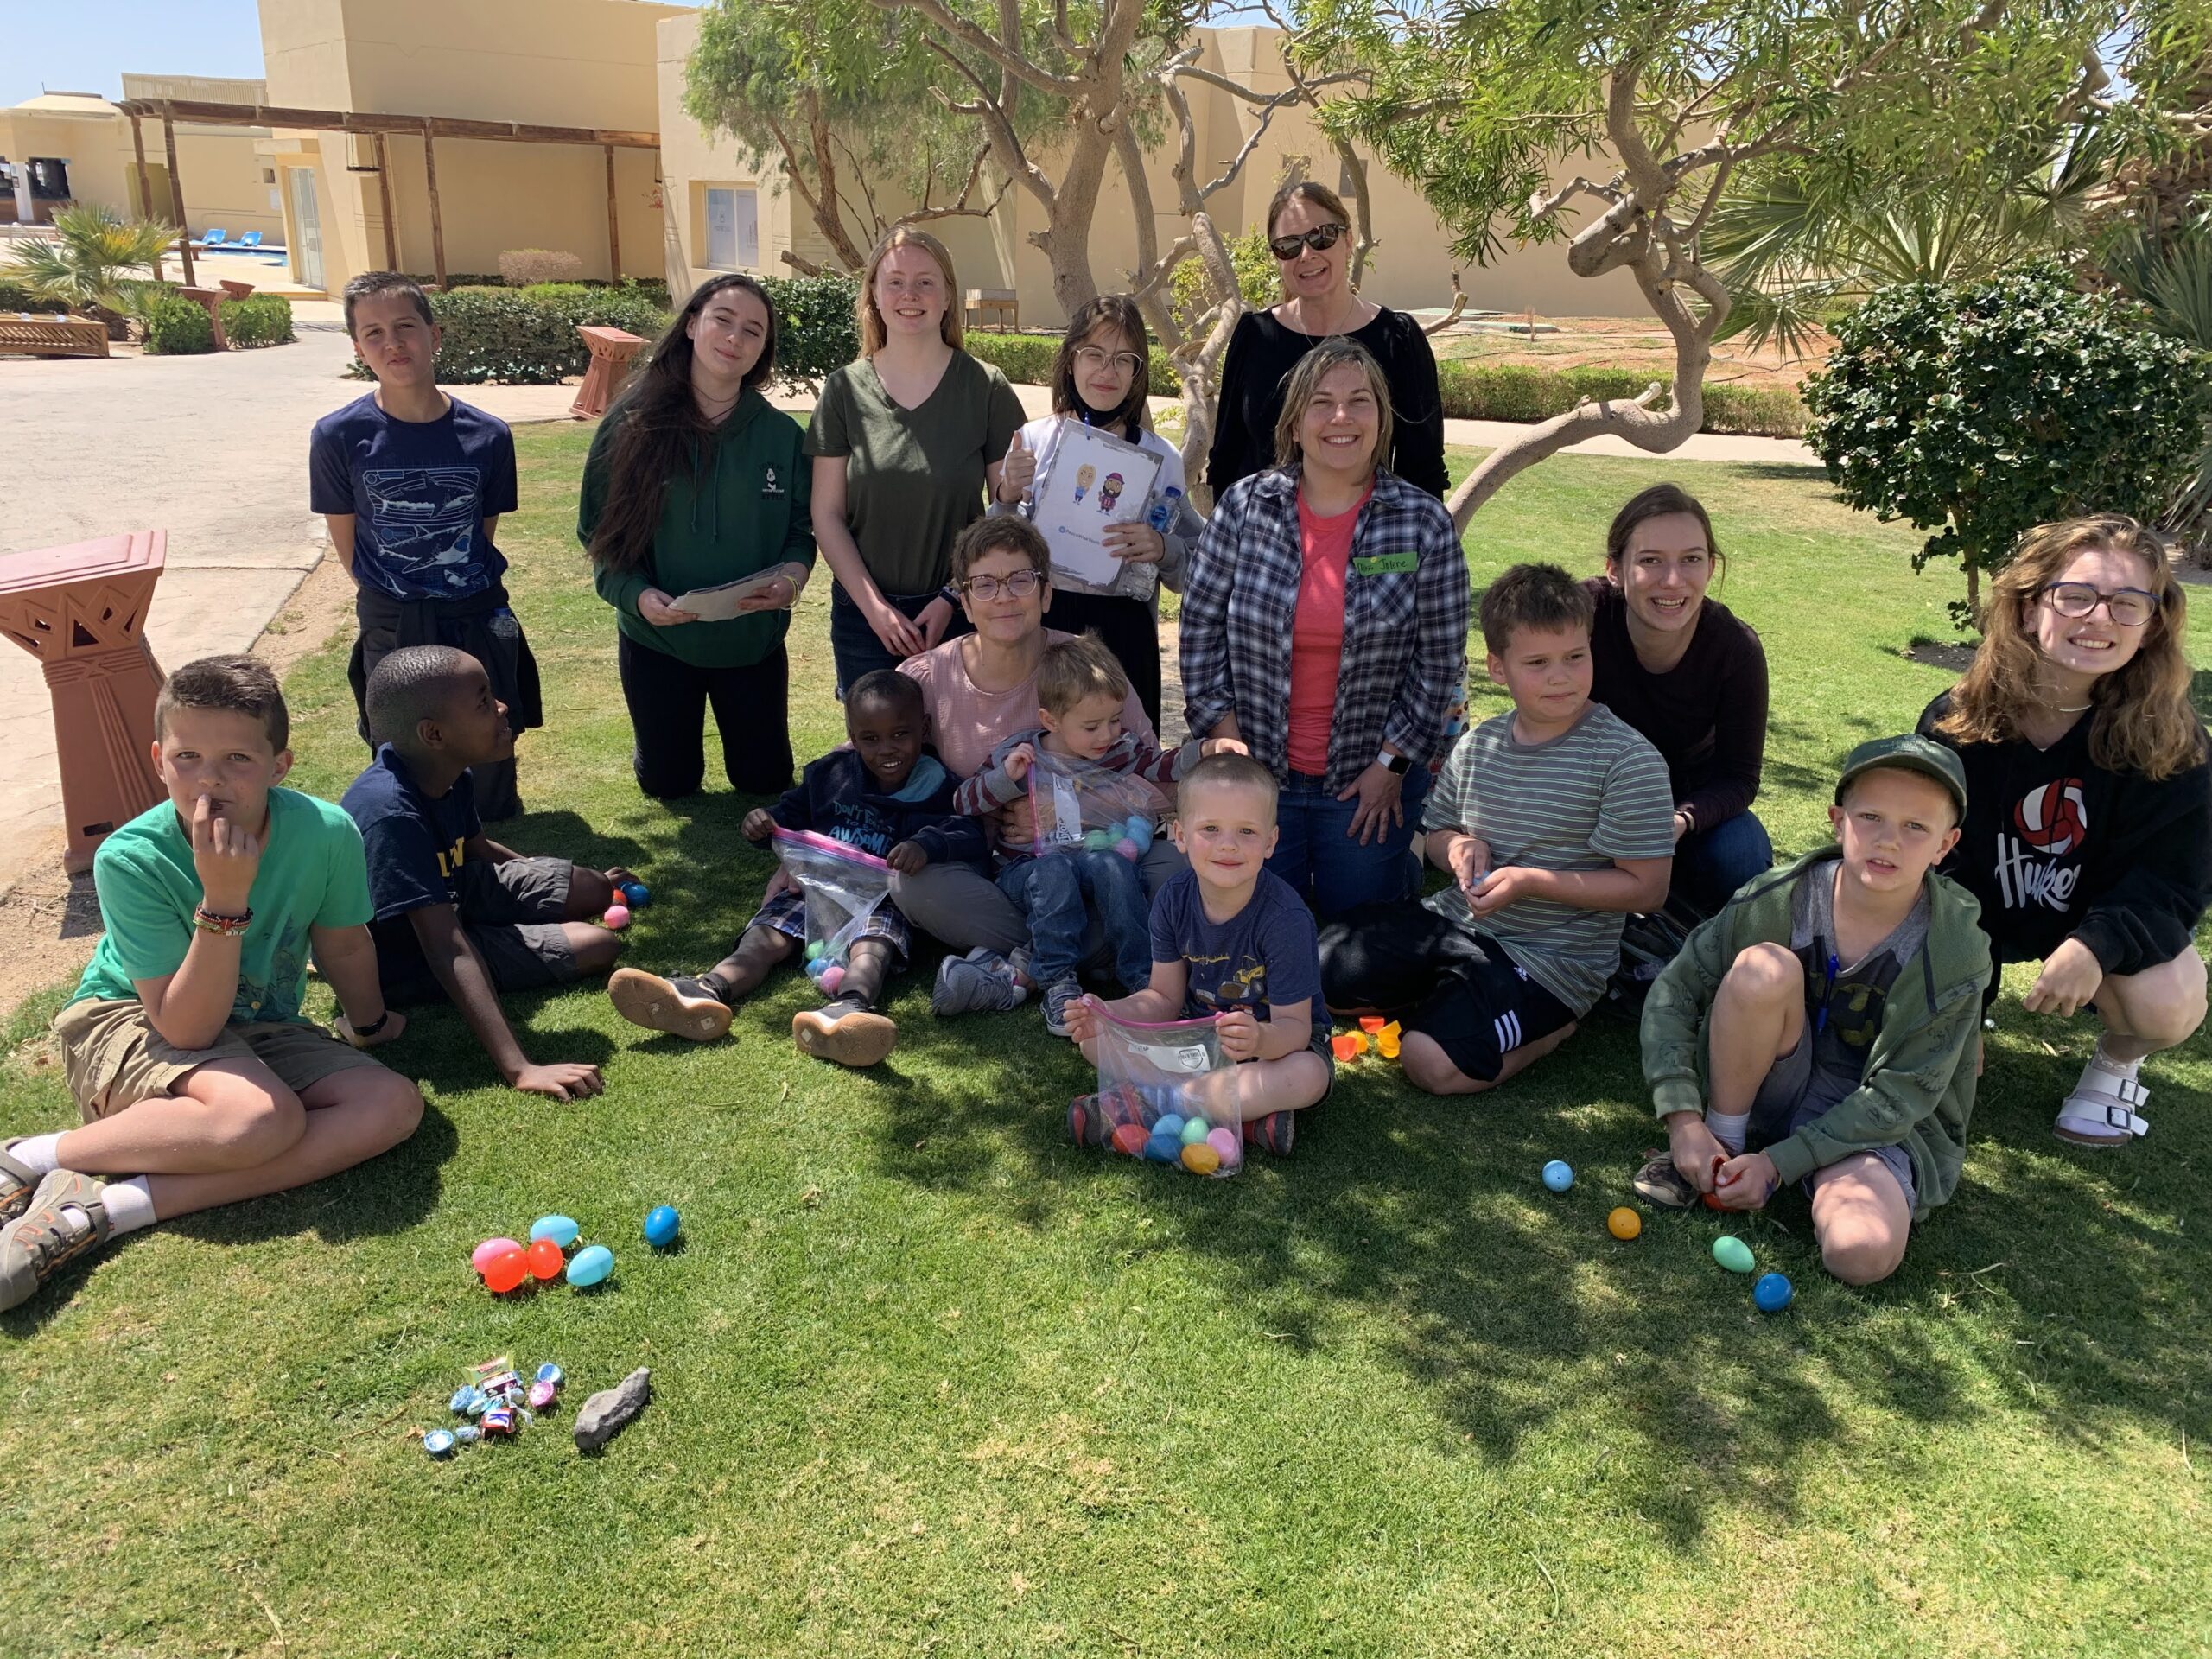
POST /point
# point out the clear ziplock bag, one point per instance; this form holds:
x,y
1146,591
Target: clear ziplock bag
x,y
1168,1093
843,885
1075,805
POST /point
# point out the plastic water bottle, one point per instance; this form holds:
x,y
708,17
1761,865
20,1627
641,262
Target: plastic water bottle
x,y
1165,510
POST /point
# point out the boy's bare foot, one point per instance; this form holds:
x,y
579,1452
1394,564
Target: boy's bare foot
x,y
844,1031
685,1007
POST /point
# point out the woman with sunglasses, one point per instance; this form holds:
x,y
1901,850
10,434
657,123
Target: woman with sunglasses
x,y
2088,828
1308,234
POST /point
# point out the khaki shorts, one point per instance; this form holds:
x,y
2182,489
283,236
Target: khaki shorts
x,y
112,1057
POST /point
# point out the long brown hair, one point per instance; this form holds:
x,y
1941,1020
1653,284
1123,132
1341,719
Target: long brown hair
x,y
869,318
660,431
1118,312
1336,352
2143,721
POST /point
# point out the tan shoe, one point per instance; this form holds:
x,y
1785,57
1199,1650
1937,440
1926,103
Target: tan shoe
x,y
65,1219
683,1007
844,1032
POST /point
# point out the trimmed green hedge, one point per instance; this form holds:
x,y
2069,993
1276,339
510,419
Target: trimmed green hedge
x,y
1471,391
177,327
258,320
510,335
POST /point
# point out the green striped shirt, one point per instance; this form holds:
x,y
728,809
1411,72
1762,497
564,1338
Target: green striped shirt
x,y
1595,794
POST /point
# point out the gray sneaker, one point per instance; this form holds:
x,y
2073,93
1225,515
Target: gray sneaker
x,y
983,982
1060,996
18,1180
64,1220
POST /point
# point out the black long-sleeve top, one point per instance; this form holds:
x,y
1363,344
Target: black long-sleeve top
x,y
2057,848
1260,355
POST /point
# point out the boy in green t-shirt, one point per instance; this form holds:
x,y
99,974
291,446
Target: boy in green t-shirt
x,y
200,1082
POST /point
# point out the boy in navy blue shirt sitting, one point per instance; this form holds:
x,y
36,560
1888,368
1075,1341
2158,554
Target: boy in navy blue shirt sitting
x,y
457,915
888,795
412,483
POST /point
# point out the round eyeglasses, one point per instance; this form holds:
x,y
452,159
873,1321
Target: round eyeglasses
x,y
2131,607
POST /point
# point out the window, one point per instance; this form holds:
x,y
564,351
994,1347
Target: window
x,y
733,228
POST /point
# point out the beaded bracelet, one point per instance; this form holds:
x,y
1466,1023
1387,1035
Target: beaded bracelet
x,y
206,921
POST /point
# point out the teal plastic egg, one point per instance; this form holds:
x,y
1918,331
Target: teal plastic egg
x,y
1097,841
1169,1124
1732,1253
661,1226
1195,1129
561,1230
590,1265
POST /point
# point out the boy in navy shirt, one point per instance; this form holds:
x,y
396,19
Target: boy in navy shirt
x,y
412,483
1232,940
887,795
456,914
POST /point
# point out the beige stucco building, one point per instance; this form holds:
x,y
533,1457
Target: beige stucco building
x,y
730,211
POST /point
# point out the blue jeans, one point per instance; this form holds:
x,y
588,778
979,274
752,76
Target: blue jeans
x,y
1051,891
1711,864
1329,869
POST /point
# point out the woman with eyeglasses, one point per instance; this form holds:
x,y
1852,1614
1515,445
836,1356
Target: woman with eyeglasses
x,y
1101,378
978,690
2088,827
906,440
1308,232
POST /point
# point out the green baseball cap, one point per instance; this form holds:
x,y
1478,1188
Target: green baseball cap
x,y
1911,753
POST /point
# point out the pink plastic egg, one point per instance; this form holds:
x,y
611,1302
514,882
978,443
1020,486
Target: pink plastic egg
x,y
489,1251
832,977
1128,849
617,916
1227,1146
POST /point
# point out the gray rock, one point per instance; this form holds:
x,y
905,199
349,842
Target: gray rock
x,y
609,1411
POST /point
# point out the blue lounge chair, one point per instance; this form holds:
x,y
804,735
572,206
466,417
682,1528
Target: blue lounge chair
x,y
214,238
249,241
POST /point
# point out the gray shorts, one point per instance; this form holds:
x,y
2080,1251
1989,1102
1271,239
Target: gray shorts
x,y
1787,1101
512,913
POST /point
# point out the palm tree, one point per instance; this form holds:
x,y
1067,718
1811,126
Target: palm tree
x,y
88,262
2170,272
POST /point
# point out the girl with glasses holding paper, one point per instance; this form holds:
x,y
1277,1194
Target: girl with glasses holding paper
x,y
2088,827
1308,233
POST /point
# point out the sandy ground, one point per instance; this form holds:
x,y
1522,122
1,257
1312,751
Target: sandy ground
x,y
1616,342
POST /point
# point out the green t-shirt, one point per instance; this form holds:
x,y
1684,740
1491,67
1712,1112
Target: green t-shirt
x,y
914,477
312,875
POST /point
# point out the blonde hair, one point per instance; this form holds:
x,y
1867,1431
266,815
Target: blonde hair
x,y
1071,670
870,320
1335,352
2143,721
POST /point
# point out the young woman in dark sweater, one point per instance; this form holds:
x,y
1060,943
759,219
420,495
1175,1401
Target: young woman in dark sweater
x,y
1681,669
1309,232
2088,828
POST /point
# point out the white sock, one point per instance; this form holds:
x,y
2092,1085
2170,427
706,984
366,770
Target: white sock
x,y
37,1151
1729,1128
129,1204
2105,1062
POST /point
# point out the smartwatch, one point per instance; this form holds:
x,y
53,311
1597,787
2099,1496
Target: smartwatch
x,y
371,1030
1400,764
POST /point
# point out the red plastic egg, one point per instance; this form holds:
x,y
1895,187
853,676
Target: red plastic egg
x,y
544,1260
1130,1138
506,1270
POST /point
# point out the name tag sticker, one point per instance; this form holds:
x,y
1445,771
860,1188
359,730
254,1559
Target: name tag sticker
x,y
1387,564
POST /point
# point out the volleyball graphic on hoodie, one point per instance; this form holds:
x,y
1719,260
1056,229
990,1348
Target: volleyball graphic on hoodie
x,y
2052,817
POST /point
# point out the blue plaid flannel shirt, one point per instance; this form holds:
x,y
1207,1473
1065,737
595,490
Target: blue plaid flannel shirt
x,y
1405,652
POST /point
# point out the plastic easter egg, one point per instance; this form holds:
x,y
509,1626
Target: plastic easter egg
x,y
617,916
832,977
590,1265
541,1395
1228,1144
1097,841
1371,1024
1143,833
637,894
548,1372
1772,1293
1341,1047
816,949
507,1270
1164,1148
1732,1253
661,1225
1201,1159
1623,1222
543,1259
1130,1138
1559,1175
1386,1044
438,1443
561,1230
490,1251
1195,1129
1128,849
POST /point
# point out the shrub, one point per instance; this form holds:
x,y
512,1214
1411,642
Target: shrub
x,y
504,335
1258,279
555,290
816,332
177,327
258,320
1982,410
15,296
520,267
1026,359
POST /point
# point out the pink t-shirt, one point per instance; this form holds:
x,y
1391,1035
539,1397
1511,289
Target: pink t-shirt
x,y
1317,631
967,723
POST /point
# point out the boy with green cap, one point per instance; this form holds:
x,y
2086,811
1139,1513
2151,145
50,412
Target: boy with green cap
x,y
1820,1028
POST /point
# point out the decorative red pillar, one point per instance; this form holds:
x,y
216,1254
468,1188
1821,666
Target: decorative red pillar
x,y
81,611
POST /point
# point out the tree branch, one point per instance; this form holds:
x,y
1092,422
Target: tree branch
x,y
1006,54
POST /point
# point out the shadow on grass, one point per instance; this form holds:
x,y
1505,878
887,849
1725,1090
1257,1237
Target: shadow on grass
x,y
1420,1226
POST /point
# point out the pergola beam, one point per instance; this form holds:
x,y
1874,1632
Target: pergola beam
x,y
442,126
176,199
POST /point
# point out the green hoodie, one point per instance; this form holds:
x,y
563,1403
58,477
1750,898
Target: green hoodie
x,y
748,513
1917,1089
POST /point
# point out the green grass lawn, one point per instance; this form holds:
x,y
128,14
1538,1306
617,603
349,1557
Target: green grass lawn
x,y
929,1380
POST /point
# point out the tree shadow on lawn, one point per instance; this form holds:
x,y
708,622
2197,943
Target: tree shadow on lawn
x,y
1422,1225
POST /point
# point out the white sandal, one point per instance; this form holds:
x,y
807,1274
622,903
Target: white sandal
x,y
2102,1110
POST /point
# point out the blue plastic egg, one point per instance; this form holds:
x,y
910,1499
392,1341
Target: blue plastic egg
x,y
561,1230
438,1443
1164,1148
1194,1130
1169,1124
661,1226
548,1372
1772,1293
591,1265
1559,1175
637,893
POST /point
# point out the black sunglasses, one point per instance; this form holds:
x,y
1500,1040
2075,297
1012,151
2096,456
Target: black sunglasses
x,y
1320,238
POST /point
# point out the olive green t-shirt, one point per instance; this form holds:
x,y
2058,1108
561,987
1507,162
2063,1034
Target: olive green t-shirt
x,y
913,477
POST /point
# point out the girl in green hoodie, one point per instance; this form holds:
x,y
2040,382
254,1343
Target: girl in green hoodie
x,y
693,481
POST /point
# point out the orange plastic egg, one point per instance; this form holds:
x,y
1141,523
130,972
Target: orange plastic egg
x,y
1623,1222
1370,1023
544,1260
1200,1159
506,1270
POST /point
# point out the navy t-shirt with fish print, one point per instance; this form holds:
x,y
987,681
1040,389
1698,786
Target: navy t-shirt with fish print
x,y
419,492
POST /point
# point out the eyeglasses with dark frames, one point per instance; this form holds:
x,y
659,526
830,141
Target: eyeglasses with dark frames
x,y
2130,607
1320,238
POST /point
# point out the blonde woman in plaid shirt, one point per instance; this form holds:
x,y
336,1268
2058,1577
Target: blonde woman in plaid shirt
x,y
1325,623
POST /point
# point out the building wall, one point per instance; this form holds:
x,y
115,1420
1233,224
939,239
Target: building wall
x,y
221,172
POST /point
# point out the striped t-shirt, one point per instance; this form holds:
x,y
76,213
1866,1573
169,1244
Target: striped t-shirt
x,y
1596,793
